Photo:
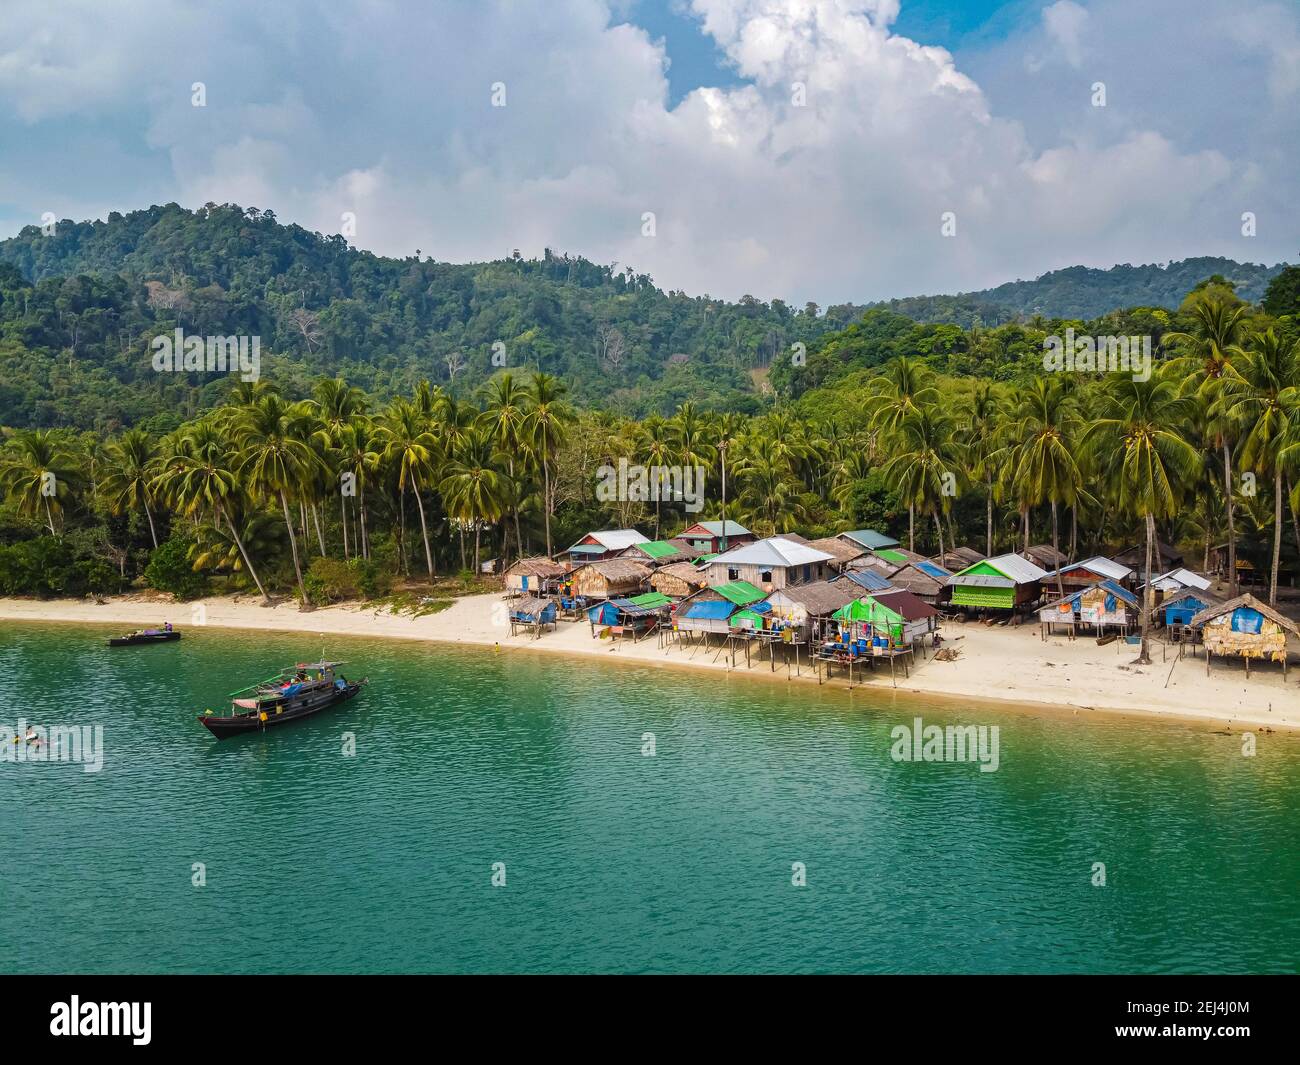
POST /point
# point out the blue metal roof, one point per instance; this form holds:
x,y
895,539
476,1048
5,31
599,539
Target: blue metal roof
x,y
933,570
872,582
711,609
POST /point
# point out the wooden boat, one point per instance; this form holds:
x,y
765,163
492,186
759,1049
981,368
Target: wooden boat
x,y
143,636
290,695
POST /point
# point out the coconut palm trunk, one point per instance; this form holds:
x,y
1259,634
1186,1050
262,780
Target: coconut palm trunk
x,y
153,533
546,498
1144,658
343,521
1277,533
1056,547
424,531
988,519
243,552
293,547
1232,530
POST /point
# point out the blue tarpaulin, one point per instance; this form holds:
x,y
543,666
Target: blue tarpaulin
x,y
603,614
714,609
1246,620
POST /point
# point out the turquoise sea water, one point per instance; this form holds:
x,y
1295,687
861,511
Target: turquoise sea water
x,y
680,862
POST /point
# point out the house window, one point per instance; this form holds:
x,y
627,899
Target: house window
x,y
765,577
807,573
733,574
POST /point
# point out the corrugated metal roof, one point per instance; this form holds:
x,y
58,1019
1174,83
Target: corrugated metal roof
x,y
932,569
774,551
656,549
1020,570
864,578
714,528
615,539
653,600
980,580
1180,577
742,593
1098,564
870,539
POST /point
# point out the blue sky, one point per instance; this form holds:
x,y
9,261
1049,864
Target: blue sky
x,y
807,149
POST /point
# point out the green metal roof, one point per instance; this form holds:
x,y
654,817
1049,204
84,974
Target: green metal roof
x,y
658,548
742,593
709,557
651,599
892,556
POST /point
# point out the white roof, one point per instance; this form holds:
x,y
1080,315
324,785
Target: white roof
x,y
1019,569
1180,577
614,539
774,551
1099,564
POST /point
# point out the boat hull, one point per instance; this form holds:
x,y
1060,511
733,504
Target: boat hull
x,y
292,710
139,641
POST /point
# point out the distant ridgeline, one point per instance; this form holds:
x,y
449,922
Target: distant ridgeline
x,y
1083,293
81,306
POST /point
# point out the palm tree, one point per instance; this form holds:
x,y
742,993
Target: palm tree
x,y
198,475
1261,402
906,386
473,487
505,413
275,461
1139,443
926,463
408,444
545,428
981,424
1042,462
132,466
1214,345
655,449
37,470
355,453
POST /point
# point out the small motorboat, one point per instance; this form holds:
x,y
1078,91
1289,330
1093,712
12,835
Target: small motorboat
x,y
290,695
142,636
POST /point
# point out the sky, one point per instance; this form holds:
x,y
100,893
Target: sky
x,y
813,150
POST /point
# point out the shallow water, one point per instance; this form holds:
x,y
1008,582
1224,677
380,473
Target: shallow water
x,y
615,861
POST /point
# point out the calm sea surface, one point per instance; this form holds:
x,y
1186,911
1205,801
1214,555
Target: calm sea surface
x,y
614,861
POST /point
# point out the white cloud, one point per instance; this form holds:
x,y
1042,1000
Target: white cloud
x,y
384,109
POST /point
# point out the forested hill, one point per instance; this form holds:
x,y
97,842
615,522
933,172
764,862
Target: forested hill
x,y
80,306
104,289
1081,292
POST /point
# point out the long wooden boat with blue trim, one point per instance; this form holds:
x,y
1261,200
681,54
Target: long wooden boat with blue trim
x,y
290,695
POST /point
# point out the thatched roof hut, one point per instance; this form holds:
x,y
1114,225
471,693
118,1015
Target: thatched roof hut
x,y
797,604
958,558
1044,556
1245,628
842,551
534,574
678,580
925,579
609,578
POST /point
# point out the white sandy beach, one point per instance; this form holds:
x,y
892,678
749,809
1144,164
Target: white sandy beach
x,y
999,663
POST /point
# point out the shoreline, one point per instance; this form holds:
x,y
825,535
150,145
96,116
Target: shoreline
x,y
1032,674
